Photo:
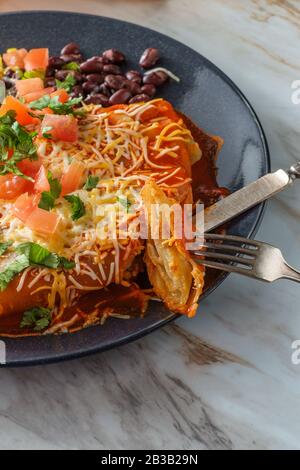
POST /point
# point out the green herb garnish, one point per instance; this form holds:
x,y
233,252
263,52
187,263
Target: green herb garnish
x,y
77,206
66,263
16,144
48,198
34,74
91,182
67,84
45,132
71,66
56,106
4,246
31,254
38,255
12,269
37,317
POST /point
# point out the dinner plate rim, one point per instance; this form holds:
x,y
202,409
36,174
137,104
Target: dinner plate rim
x,y
66,356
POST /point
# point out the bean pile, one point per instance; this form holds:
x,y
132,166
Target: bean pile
x,y
101,79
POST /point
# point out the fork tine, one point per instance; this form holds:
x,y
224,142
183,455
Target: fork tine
x,y
233,238
226,267
230,258
226,247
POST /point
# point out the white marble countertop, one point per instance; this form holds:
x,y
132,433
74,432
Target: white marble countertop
x,y
224,380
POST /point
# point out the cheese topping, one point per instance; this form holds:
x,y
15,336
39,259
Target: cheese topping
x,y
124,148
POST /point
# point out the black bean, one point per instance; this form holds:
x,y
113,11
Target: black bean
x,y
133,87
9,73
104,90
112,68
95,77
67,58
9,82
155,78
76,91
114,56
115,82
99,98
97,58
134,75
91,66
55,63
88,87
49,82
18,74
120,97
61,74
71,48
149,57
49,72
149,90
139,98
77,75
14,74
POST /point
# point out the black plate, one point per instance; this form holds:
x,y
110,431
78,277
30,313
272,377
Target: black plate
x,y
205,94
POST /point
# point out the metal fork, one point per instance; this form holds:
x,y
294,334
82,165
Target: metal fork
x,y
248,257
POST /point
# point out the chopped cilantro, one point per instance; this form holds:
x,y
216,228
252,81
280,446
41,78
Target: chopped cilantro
x,y
4,246
15,267
67,84
56,106
45,132
48,197
34,74
16,144
91,182
38,255
77,206
37,317
67,264
71,66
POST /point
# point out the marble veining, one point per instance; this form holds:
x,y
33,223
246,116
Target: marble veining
x,y
224,380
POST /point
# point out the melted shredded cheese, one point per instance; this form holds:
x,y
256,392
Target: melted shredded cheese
x,y
117,147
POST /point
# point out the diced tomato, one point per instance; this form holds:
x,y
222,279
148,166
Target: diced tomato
x,y
63,127
71,180
36,59
15,58
30,85
12,104
24,206
30,167
11,186
62,95
41,182
22,52
37,95
42,221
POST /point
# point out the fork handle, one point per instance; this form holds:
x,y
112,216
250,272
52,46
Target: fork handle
x,y
291,273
